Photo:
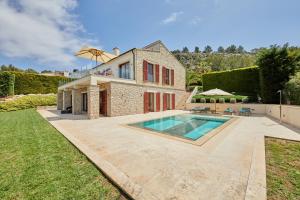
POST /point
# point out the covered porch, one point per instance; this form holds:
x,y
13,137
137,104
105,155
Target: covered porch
x,y
86,96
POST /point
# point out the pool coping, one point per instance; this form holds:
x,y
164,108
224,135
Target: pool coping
x,y
199,142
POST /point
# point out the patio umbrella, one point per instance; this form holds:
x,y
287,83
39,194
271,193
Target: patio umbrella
x,y
94,54
214,92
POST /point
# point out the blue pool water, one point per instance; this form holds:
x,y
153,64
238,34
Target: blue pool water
x,y
186,126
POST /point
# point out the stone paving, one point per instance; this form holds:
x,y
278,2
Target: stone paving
x,y
231,165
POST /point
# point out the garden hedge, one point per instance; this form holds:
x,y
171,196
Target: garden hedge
x,y
6,84
242,81
27,83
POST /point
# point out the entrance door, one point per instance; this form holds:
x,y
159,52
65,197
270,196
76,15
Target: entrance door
x,y
84,102
103,102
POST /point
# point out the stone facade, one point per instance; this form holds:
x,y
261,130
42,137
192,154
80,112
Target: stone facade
x,y
76,101
67,101
93,101
128,99
59,100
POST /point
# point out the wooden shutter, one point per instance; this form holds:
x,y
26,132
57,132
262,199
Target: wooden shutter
x,y
173,101
146,102
164,102
172,76
163,75
145,70
157,73
157,102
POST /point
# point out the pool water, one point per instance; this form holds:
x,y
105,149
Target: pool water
x,y
186,126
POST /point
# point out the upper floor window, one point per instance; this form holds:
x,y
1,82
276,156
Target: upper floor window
x,y
167,78
124,70
150,72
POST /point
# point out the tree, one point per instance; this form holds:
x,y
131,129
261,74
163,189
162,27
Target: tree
x,y
207,49
197,50
185,50
231,49
276,66
221,49
10,67
30,70
176,51
46,71
292,89
240,49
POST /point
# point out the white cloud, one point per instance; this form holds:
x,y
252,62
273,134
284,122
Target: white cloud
x,y
172,18
196,20
43,30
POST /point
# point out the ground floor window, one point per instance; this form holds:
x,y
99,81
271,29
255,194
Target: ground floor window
x,y
168,101
84,102
149,102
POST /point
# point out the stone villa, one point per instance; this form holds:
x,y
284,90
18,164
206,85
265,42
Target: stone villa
x,y
140,80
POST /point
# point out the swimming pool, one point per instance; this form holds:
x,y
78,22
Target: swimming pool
x,y
187,126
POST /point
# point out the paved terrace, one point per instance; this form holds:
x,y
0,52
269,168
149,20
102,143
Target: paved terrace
x,y
231,165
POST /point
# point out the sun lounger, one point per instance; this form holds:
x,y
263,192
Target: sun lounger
x,y
200,109
229,111
245,111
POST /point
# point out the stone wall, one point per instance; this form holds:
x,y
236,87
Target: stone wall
x,y
76,101
93,101
163,58
59,100
128,99
67,101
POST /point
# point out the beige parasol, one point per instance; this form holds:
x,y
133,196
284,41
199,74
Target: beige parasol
x,y
94,54
215,92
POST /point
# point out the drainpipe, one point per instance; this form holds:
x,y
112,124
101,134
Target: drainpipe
x,y
134,71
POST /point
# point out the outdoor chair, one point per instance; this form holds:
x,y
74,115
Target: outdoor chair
x,y
229,111
200,109
67,111
245,111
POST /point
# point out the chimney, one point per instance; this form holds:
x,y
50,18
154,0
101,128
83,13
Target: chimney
x,y
116,51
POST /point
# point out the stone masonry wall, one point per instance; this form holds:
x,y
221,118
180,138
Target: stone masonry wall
x,y
66,99
128,99
60,100
163,58
93,101
76,101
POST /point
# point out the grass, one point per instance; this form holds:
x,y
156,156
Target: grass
x,y
29,101
283,169
37,162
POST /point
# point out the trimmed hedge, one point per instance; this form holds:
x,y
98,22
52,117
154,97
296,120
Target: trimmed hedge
x,y
242,81
27,83
6,84
198,98
30,101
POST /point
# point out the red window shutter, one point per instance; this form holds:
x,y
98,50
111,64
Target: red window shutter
x,y
146,102
164,102
163,75
145,70
157,73
172,76
173,101
157,102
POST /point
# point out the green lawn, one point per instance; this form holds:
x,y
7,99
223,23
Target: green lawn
x,y
37,162
283,169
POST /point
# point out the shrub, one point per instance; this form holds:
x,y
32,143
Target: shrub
x,y
245,100
26,83
6,84
244,81
30,101
232,100
202,100
292,89
226,98
221,100
212,100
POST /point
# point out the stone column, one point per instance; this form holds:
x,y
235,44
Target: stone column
x,y
76,101
59,100
93,101
66,99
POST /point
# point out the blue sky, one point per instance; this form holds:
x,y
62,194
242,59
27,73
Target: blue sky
x,y
45,34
